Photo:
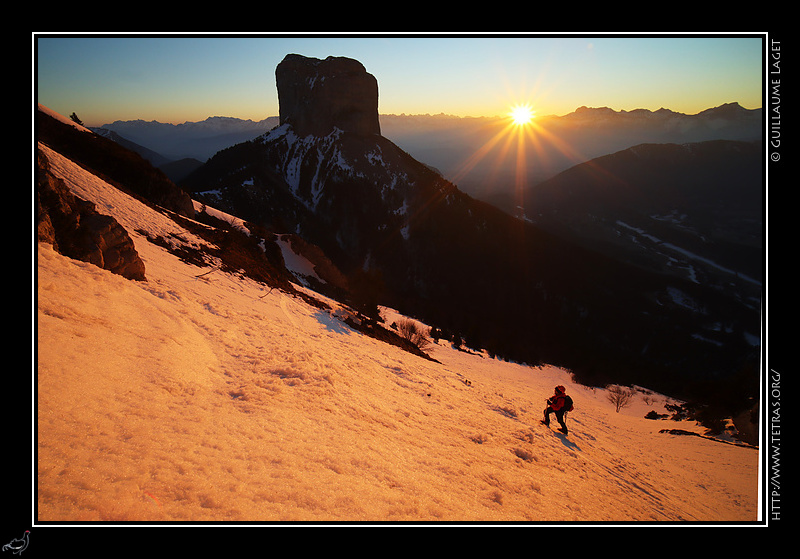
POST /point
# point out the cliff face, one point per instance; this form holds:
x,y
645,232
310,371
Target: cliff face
x,y
317,95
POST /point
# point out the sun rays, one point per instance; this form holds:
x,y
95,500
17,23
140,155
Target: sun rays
x,y
516,134
517,148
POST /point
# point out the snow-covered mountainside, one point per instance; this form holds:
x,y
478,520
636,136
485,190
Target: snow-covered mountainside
x,y
199,395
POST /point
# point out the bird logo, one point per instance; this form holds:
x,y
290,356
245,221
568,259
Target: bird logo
x,y
17,545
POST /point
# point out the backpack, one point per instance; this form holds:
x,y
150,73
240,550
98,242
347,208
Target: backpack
x,y
568,403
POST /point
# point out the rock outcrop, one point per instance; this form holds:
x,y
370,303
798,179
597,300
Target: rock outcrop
x,y
77,230
317,95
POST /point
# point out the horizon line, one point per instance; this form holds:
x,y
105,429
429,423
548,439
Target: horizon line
x,y
451,115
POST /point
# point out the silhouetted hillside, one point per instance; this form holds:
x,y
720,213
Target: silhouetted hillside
x,y
115,162
693,210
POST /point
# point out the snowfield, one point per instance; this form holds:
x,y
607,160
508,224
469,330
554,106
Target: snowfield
x,y
187,398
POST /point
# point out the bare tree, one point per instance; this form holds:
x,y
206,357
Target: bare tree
x,y
620,396
414,333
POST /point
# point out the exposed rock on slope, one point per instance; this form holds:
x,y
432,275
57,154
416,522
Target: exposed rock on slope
x,y
75,229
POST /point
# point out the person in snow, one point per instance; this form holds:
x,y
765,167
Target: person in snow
x,y
557,403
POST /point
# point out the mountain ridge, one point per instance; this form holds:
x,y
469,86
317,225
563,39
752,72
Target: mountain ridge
x,y
705,197
459,146
432,246
131,129
729,108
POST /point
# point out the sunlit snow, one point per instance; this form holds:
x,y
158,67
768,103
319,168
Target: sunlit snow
x,y
212,399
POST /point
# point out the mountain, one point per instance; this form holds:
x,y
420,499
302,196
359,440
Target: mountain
x,y
174,170
79,229
206,394
328,174
484,156
694,210
472,152
178,170
156,159
180,149
192,140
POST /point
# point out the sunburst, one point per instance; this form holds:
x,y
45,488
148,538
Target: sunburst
x,y
522,114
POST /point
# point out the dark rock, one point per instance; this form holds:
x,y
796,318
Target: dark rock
x,y
317,95
77,230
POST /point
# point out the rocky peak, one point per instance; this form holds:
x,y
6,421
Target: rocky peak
x,y
317,95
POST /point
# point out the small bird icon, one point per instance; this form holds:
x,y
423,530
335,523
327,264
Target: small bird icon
x,y
16,545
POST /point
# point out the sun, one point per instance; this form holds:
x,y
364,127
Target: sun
x,y
522,114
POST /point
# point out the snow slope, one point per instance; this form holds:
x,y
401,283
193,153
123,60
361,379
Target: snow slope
x,y
187,398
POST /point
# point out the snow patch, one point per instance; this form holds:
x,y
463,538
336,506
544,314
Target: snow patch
x,y
687,253
301,267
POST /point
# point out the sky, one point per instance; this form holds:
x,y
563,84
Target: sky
x,y
183,78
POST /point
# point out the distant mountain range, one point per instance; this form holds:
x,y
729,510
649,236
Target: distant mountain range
x,y
178,149
196,140
467,151
481,155
677,169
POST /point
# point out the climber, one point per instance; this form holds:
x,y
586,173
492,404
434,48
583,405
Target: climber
x,y
559,403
